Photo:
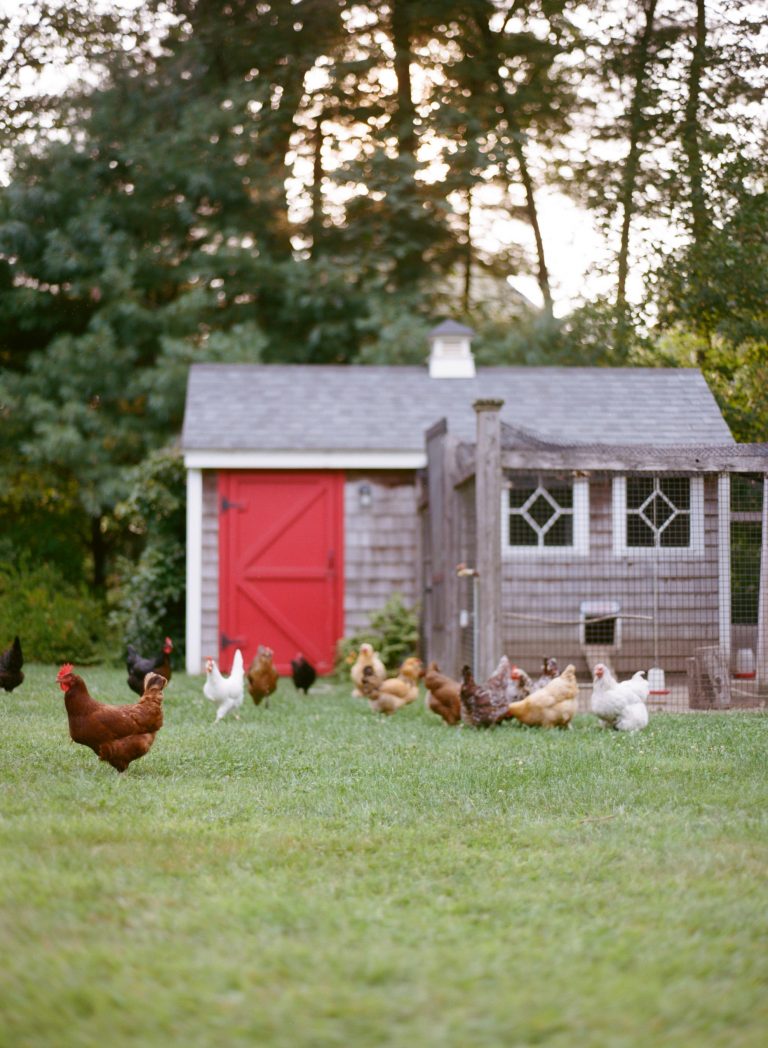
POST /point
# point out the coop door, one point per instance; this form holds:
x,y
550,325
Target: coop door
x,y
281,566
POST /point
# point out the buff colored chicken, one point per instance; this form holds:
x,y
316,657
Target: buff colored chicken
x,y
379,702
443,694
552,706
366,657
405,685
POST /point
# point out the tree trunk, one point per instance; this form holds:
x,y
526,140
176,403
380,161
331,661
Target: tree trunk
x,y
98,554
467,289
542,275
631,170
408,263
492,64
690,134
401,41
316,219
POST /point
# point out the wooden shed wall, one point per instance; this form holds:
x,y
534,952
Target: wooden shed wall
x,y
382,545
381,554
554,587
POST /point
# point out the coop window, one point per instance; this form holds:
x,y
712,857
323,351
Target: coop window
x,y
746,546
543,515
656,514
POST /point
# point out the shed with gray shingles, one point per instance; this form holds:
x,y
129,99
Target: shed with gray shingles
x,y
303,480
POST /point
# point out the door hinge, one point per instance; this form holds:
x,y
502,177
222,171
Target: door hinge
x,y
226,641
228,504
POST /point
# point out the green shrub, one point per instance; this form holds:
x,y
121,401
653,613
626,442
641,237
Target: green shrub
x,y
149,602
57,620
393,632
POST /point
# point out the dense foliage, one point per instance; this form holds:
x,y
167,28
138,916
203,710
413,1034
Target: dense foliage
x,y
58,620
320,181
149,603
393,631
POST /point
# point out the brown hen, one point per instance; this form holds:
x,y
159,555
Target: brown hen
x,y
118,734
442,695
262,676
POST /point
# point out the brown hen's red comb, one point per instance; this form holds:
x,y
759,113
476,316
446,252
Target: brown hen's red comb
x,y
65,670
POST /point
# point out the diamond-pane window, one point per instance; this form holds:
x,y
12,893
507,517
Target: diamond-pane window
x,y
549,516
658,512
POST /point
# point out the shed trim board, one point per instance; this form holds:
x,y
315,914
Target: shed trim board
x,y
319,459
194,654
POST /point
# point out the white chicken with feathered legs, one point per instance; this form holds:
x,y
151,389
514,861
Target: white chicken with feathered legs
x,y
226,692
620,705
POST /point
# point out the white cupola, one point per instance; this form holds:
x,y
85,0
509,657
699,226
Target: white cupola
x,y
450,351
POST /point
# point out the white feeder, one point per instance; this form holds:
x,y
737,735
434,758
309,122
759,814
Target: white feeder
x,y
745,664
656,682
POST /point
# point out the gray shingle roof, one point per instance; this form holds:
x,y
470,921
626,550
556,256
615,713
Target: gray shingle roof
x,y
311,407
451,327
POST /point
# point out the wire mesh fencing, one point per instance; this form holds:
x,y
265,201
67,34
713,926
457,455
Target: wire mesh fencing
x,y
659,573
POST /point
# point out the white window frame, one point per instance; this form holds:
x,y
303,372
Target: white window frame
x,y
580,545
620,547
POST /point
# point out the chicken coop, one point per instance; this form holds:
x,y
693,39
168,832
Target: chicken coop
x,y
316,492
640,557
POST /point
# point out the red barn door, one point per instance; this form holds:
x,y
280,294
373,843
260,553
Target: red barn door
x,y
281,571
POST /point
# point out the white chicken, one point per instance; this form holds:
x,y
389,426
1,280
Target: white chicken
x,y
226,692
619,705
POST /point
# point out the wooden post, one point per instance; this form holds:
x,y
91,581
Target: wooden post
x,y
194,658
488,556
434,581
724,562
762,607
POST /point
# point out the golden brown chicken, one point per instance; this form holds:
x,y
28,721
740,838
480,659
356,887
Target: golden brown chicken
x,y
442,695
552,706
369,689
378,701
486,704
366,657
262,676
405,685
118,734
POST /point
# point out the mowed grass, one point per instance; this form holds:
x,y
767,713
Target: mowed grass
x,y
316,875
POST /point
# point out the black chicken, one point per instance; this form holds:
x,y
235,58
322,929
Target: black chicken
x,y
138,667
11,662
304,673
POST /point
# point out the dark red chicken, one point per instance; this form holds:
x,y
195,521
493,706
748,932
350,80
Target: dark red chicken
x,y
443,695
261,677
117,734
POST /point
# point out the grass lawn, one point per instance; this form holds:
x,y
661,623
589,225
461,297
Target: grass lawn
x,y
313,875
